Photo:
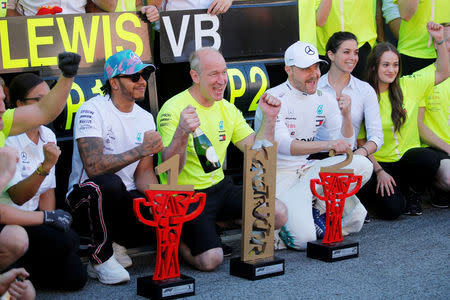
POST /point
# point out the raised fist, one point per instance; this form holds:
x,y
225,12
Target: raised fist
x,y
68,63
152,143
51,155
189,120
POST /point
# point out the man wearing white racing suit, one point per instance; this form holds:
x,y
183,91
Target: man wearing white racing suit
x,y
304,110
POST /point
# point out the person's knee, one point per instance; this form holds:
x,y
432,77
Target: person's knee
x,y
281,214
14,241
209,260
362,167
443,174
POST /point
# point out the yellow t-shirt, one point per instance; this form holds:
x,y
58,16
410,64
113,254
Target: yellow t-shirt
x,y
7,123
357,17
413,35
414,88
126,5
222,123
437,108
307,20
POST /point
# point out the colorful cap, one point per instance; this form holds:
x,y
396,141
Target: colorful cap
x,y
302,55
124,62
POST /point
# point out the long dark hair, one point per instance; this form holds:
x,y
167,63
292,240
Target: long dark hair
x,y
398,114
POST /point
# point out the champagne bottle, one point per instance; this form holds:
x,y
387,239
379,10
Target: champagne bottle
x,y
205,151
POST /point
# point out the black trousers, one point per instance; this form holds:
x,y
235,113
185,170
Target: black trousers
x,y
52,259
416,170
107,206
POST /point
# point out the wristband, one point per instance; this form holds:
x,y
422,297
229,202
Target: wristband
x,y
441,42
40,171
365,149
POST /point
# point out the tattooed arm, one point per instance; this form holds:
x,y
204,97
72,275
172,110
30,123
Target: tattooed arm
x,y
96,163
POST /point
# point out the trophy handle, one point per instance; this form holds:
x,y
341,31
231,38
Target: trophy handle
x,y
137,211
196,212
312,185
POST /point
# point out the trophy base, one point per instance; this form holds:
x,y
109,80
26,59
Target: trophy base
x,y
172,288
333,251
257,269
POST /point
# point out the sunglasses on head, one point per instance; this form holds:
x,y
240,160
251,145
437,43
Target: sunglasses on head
x,y
136,76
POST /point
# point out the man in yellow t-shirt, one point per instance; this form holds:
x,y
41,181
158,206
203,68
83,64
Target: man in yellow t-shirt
x,y
414,43
202,105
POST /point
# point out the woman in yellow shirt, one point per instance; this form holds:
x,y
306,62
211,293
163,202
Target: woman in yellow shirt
x,y
402,169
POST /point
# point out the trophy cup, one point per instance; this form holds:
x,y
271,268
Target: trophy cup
x,y
258,216
169,204
335,183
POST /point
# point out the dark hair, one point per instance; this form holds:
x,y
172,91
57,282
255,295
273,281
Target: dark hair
x,y
335,41
21,85
106,88
398,114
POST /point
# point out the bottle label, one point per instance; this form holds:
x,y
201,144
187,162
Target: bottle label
x,y
211,154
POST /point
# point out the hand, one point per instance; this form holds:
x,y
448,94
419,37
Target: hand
x,y
270,105
339,146
152,143
151,12
68,64
189,120
8,160
8,279
51,155
345,104
219,7
59,219
436,31
385,183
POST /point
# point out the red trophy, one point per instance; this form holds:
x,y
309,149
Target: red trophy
x,y
169,205
335,183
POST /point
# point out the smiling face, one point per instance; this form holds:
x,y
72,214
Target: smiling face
x,y
211,79
304,80
388,68
129,90
346,56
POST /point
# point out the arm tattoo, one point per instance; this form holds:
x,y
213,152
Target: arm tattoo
x,y
96,163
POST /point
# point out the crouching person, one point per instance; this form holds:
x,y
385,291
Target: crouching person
x,y
202,106
112,164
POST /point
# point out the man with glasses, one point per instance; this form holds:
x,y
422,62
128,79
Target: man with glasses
x,y
112,163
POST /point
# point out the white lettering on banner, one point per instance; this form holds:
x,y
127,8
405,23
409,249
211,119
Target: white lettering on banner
x,y
212,32
178,44
177,47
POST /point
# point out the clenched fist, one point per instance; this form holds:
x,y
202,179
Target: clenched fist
x,y
345,104
189,120
51,155
68,63
152,143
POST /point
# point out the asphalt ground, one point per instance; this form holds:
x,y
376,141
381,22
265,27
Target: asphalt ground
x,y
408,258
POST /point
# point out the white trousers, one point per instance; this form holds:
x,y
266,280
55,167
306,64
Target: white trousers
x,y
293,188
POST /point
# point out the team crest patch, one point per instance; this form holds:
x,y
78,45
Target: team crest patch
x,y
320,109
221,125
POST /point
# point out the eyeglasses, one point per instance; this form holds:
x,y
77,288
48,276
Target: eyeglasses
x,y
136,76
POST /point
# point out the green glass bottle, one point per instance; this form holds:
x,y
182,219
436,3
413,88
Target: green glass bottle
x,y
205,151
